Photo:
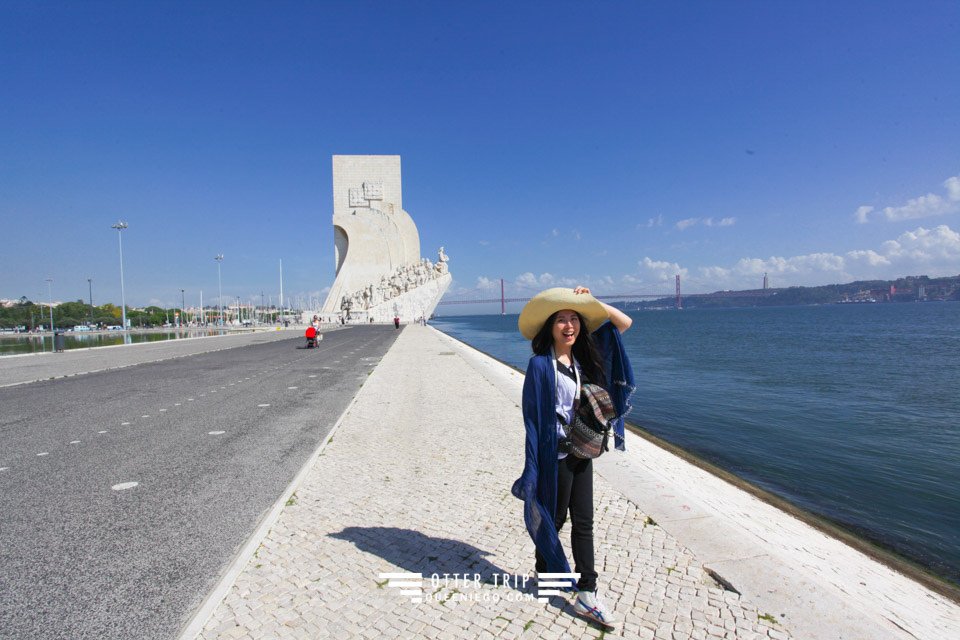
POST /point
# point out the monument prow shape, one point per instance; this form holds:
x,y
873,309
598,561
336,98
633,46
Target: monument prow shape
x,y
380,273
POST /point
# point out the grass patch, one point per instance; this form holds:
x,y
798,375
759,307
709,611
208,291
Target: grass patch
x,y
528,625
292,500
449,595
671,570
381,585
767,617
649,521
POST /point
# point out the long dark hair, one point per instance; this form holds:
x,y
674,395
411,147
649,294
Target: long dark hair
x,y
584,349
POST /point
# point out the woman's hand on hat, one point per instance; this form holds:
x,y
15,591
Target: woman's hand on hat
x,y
581,290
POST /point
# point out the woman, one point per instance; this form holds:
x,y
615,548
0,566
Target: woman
x,y
575,339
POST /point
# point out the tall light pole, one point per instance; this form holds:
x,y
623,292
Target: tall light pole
x,y
50,294
183,306
90,283
120,226
219,259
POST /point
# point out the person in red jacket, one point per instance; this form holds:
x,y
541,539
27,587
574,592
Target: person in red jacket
x,y
311,337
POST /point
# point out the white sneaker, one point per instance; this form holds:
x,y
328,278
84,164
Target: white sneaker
x,y
593,608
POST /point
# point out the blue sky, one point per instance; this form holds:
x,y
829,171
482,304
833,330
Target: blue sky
x,y
612,144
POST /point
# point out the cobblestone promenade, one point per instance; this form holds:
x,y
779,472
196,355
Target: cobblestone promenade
x,y
416,479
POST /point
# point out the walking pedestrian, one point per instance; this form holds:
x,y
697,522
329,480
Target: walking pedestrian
x,y
396,322
575,339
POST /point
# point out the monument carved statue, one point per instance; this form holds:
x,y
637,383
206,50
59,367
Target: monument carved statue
x,y
379,270
404,279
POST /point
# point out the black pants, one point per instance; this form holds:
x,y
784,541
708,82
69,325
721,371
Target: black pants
x,y
575,493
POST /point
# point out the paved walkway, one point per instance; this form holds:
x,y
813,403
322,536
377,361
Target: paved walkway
x,y
416,479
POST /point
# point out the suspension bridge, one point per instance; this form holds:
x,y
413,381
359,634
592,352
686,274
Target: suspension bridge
x,y
675,295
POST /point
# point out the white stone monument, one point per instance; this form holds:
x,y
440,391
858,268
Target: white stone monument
x,y
380,273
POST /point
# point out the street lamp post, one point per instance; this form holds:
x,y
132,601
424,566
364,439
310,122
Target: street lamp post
x,y
50,294
120,226
183,305
219,259
90,283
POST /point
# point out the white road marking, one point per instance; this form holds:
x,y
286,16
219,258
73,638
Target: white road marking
x,y
231,384
101,431
313,376
214,391
124,485
4,468
189,399
263,405
124,424
291,387
176,404
162,410
145,416
216,433
74,442
44,453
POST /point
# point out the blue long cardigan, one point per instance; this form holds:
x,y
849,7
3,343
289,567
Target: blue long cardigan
x,y
537,487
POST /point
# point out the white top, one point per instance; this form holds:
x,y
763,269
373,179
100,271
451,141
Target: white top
x,y
567,391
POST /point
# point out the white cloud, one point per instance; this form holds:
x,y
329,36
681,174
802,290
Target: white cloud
x,y
484,283
707,222
576,234
869,256
953,188
926,246
933,252
653,222
660,270
526,280
921,207
922,251
529,281
861,213
484,243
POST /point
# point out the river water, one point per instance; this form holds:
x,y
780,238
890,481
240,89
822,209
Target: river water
x,y
849,411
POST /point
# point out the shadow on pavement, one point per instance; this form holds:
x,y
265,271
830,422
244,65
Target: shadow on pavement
x,y
417,553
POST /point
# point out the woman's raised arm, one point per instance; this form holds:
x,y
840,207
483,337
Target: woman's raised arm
x,y
619,319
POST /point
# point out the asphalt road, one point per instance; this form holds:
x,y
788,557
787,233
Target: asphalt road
x,y
211,440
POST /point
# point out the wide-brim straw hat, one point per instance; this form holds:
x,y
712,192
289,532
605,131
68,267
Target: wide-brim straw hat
x,y
546,303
